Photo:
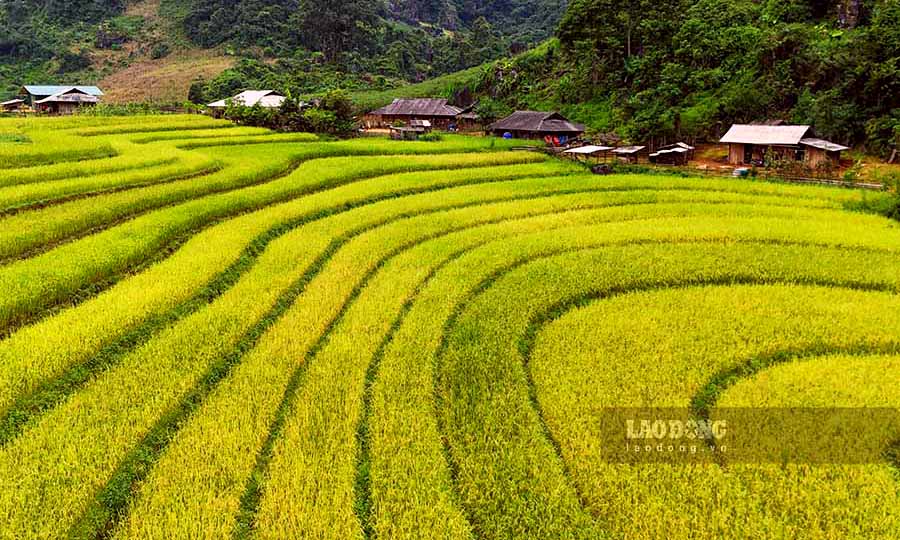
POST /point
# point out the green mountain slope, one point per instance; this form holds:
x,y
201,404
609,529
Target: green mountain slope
x,y
56,41
674,69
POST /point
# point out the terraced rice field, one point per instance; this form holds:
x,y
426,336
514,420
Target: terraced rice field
x,y
219,332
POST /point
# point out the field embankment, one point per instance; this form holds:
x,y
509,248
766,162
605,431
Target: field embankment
x,y
215,331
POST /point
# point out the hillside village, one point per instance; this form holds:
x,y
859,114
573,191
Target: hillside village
x,y
744,148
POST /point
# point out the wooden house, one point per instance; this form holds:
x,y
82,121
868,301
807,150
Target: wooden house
x,y
468,120
66,102
437,112
32,94
750,144
552,127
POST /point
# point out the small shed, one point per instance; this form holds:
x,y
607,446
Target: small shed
x,y
423,125
468,120
588,151
673,154
12,105
400,133
750,144
820,152
66,102
629,154
552,127
438,112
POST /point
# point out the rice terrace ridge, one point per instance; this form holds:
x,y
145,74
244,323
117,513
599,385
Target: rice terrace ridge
x,y
449,270
215,331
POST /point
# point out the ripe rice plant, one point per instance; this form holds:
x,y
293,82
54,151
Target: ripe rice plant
x,y
810,318
212,331
44,193
95,257
196,263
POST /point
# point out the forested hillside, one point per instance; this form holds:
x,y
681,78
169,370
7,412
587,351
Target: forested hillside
x,y
659,69
682,68
56,40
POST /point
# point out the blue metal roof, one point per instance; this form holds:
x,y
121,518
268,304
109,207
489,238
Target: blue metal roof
x,y
45,90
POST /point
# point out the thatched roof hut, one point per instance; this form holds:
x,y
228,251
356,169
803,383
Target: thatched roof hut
x,y
434,110
537,125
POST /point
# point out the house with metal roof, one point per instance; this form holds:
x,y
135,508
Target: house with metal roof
x,y
552,127
438,112
268,99
66,101
34,93
750,144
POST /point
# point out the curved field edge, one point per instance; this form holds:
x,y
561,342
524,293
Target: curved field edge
x,y
840,498
369,505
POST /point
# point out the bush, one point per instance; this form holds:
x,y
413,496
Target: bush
x,y
333,115
160,50
70,61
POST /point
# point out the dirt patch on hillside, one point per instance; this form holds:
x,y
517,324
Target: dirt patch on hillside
x,y
135,77
164,80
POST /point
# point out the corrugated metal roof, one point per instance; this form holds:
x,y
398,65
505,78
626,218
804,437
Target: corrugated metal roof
x,y
824,145
49,90
418,107
588,150
69,98
264,98
670,151
70,95
629,149
765,135
677,145
12,102
538,122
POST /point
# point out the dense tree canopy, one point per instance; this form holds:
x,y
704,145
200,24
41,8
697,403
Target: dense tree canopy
x,y
688,67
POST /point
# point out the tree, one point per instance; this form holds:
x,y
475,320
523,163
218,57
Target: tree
x,y
335,26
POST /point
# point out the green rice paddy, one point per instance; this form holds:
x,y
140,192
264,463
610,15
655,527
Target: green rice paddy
x,y
211,332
